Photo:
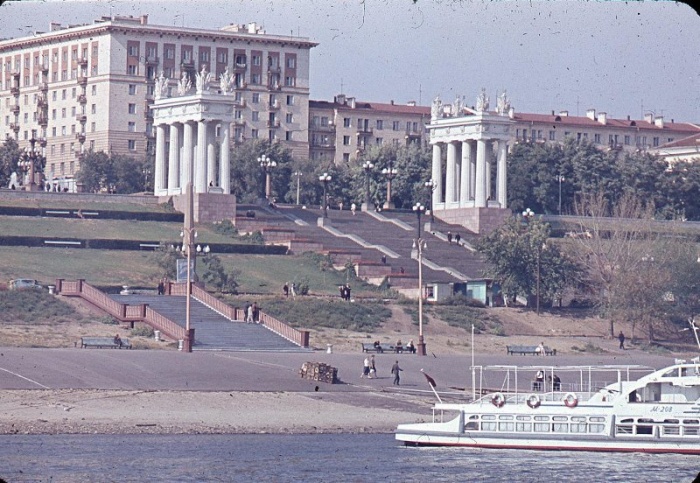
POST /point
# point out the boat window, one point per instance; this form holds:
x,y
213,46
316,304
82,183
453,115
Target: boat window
x,y
691,421
523,418
578,418
488,426
578,427
541,418
488,417
560,428
472,426
505,426
560,418
671,421
541,427
671,430
645,426
597,419
670,373
524,427
624,421
690,431
474,416
596,428
508,417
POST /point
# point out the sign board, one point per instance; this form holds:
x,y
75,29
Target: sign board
x,y
182,270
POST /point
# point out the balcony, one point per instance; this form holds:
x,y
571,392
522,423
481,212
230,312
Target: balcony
x,y
80,136
44,86
16,74
239,122
241,103
82,118
274,69
82,98
274,105
275,86
43,119
15,109
152,60
239,66
82,80
330,127
14,91
323,145
14,127
364,130
44,69
187,64
83,62
273,124
41,102
42,142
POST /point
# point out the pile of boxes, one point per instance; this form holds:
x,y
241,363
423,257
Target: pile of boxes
x,y
318,371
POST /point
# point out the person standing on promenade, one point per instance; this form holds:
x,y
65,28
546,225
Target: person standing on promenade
x,y
372,368
294,290
395,370
621,338
285,289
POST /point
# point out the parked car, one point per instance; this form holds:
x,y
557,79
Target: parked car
x,y
23,284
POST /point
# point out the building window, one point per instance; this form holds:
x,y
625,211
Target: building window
x,y
132,126
92,145
53,151
627,140
53,131
72,128
63,113
93,127
132,69
93,108
346,140
238,114
63,94
254,133
346,157
133,51
379,141
132,108
289,81
94,89
223,57
552,135
170,53
131,144
256,98
63,130
655,141
346,122
291,62
255,79
596,138
73,93
132,89
289,118
72,111
380,124
53,114
288,135
63,151
396,125
257,60
256,116
290,100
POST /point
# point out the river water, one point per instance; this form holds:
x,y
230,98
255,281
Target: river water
x,y
311,458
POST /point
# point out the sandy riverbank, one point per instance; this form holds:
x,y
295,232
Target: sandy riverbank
x,y
134,412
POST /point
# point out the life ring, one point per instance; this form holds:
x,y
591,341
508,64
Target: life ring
x,y
570,400
533,400
498,400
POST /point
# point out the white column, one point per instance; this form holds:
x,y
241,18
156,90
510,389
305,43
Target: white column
x,y
480,187
187,154
464,177
472,169
200,169
160,171
437,174
211,155
501,174
489,162
450,173
224,163
174,160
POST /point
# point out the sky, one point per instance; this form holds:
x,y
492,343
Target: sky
x,y
622,58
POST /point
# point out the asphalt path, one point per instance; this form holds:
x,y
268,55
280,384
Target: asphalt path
x,y
154,370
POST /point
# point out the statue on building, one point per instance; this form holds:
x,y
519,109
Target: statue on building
x,y
502,104
161,87
184,85
436,108
457,106
202,79
226,82
482,102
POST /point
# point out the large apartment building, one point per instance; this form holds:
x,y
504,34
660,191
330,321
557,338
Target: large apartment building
x,y
90,86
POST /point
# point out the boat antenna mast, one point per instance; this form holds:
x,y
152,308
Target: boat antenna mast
x,y
695,328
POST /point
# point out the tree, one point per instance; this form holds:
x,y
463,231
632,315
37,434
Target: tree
x,y
9,155
100,171
216,275
519,256
248,178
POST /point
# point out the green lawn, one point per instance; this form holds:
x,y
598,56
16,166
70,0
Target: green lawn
x,y
70,204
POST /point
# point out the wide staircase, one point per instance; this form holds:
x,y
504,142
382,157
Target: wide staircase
x,y
390,234
212,330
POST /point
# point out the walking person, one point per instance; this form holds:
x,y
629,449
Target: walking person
x,y
621,338
285,289
395,370
457,238
449,237
372,368
365,368
353,208
294,290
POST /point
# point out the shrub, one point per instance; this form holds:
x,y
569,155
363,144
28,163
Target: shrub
x,y
34,307
331,313
143,331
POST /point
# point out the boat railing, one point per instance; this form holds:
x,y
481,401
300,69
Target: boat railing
x,y
522,397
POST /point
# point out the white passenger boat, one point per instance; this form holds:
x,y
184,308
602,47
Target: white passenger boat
x,y
658,412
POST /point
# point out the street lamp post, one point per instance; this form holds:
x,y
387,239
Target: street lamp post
x,y
298,174
561,178
389,173
368,167
419,245
188,235
27,163
325,179
267,164
419,210
146,173
430,184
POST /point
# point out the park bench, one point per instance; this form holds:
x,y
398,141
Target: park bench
x,y
529,350
103,343
385,347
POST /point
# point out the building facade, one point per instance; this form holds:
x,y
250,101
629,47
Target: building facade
x,y
341,130
90,87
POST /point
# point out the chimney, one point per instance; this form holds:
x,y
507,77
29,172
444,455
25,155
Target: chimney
x,y
340,99
659,122
552,112
511,112
53,26
628,117
603,118
144,19
649,117
392,102
564,113
411,103
351,101
590,114
252,28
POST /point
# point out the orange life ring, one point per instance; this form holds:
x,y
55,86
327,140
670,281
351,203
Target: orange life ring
x,y
570,400
498,400
533,400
